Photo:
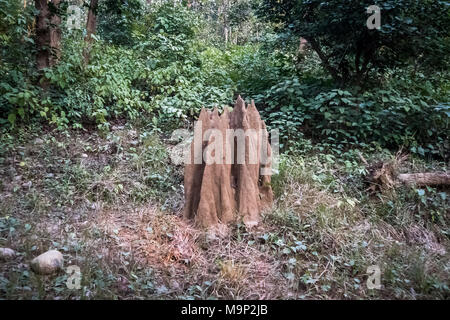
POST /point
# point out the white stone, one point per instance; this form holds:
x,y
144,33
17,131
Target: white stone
x,y
48,262
7,253
27,185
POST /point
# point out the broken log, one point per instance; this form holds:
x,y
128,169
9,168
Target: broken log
x,y
425,179
383,175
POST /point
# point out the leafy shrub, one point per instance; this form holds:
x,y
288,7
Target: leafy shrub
x,y
255,69
401,113
119,19
18,93
161,76
411,30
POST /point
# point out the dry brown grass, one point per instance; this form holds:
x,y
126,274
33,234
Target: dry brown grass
x,y
181,254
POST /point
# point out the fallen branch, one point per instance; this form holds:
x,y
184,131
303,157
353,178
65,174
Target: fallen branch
x,y
383,175
425,179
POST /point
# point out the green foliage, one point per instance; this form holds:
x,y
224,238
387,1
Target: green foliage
x,y
255,69
285,111
15,40
236,18
118,19
167,75
401,113
17,91
94,93
411,31
151,68
181,74
432,204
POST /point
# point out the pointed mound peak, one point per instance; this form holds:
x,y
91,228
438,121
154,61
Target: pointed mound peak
x,y
204,116
240,105
252,105
225,113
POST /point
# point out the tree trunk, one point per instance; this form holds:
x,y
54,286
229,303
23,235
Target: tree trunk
x,y
48,34
333,71
382,175
91,27
225,32
425,179
302,46
42,35
91,24
55,33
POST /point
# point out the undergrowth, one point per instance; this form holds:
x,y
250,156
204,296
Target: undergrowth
x,y
112,205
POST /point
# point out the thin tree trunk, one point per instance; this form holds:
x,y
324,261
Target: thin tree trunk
x,y
334,73
91,24
42,35
48,34
302,47
91,27
55,34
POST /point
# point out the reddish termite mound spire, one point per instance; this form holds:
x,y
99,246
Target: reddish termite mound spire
x,y
227,177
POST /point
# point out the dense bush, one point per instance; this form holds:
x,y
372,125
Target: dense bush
x,y
403,113
411,32
17,91
163,75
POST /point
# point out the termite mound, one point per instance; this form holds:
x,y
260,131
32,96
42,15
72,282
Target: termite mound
x,y
227,178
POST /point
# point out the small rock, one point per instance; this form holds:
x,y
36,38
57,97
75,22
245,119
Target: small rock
x,y
52,228
115,128
84,155
38,141
132,133
48,262
27,185
7,253
174,285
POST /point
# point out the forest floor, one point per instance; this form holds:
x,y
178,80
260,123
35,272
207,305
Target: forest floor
x,y
112,205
